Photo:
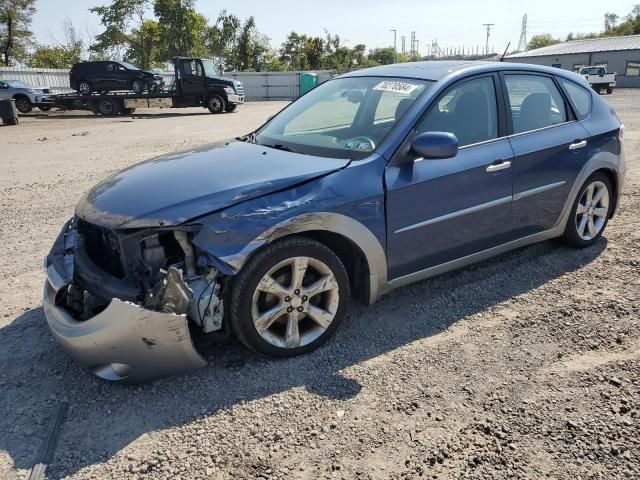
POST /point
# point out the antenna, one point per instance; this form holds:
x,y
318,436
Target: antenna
x,y
522,44
505,51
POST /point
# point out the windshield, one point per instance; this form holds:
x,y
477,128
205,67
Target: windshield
x,y
343,118
128,66
16,83
209,68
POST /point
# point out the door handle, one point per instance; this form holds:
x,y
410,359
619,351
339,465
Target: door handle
x,y
577,145
496,167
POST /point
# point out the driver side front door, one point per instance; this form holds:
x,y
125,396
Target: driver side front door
x,y
442,210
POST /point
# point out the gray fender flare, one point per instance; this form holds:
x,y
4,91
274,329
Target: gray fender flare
x,y
599,161
343,225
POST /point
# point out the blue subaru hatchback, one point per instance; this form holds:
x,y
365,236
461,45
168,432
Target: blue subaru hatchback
x,y
373,180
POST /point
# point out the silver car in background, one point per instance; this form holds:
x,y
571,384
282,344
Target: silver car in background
x,y
26,96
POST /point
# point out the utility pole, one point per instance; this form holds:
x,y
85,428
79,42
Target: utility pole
x,y
522,43
488,25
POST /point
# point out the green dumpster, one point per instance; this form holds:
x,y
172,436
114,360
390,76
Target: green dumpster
x,y
308,81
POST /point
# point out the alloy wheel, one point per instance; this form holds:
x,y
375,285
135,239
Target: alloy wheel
x,y
592,210
215,104
295,302
84,88
23,105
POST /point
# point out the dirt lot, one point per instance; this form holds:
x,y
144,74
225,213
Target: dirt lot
x,y
525,366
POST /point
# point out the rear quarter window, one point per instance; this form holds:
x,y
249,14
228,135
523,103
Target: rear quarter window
x,y
580,97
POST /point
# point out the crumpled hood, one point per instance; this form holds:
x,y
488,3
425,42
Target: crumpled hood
x,y
174,188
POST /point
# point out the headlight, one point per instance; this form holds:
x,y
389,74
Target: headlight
x,y
230,90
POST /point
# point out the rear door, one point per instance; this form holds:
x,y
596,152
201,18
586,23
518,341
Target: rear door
x,y
550,147
442,210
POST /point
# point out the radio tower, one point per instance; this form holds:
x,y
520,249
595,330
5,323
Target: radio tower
x,y
413,43
522,44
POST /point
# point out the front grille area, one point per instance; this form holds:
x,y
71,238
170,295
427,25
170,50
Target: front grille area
x,y
240,89
102,247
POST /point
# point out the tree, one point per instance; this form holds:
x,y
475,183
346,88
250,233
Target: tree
x,y
542,40
610,20
15,33
117,19
222,38
144,45
63,55
383,56
251,47
183,31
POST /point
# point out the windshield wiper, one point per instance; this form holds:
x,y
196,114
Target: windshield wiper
x,y
280,146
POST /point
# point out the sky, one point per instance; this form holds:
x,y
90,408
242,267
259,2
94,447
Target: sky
x,y
453,23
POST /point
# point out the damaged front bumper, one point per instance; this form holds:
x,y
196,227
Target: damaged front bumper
x,y
124,342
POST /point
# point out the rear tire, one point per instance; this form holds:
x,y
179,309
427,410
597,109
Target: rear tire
x,y
216,103
590,212
23,104
108,107
609,91
45,108
289,298
84,87
128,111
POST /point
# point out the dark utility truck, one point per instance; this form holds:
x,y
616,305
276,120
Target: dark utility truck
x,y
197,84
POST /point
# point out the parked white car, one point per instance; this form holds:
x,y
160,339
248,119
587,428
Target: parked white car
x,y
599,79
26,97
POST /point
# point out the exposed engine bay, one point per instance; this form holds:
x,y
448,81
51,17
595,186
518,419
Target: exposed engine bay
x,y
157,269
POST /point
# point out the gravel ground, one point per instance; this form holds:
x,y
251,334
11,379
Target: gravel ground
x,y
524,366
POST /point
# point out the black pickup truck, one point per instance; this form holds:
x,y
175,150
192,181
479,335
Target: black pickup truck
x,y
197,84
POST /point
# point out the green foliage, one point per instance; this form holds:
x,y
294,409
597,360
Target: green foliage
x,y
183,31
46,56
15,33
144,45
118,18
542,40
383,56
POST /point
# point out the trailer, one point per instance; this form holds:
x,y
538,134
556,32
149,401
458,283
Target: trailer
x,y
197,84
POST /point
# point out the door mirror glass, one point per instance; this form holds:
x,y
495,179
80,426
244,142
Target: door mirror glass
x,y
435,145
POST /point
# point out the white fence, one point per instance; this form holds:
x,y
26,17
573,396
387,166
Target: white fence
x,y
257,85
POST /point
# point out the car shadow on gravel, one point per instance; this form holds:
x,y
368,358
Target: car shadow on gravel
x,y
104,418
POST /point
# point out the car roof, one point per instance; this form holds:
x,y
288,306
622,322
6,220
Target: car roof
x,y
435,70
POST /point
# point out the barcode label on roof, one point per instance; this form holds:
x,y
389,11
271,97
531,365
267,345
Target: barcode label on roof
x,y
396,87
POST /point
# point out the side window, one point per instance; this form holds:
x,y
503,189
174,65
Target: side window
x,y
468,110
535,102
109,67
580,96
391,106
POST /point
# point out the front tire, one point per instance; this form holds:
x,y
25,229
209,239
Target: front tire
x,y
590,212
216,104
137,86
609,91
232,107
289,298
23,104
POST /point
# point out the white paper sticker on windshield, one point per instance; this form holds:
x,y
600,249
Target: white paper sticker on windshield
x,y
396,87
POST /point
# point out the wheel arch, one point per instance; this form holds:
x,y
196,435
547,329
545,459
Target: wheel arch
x,y
613,178
357,247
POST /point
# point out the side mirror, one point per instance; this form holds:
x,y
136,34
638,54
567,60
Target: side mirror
x,y
435,145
